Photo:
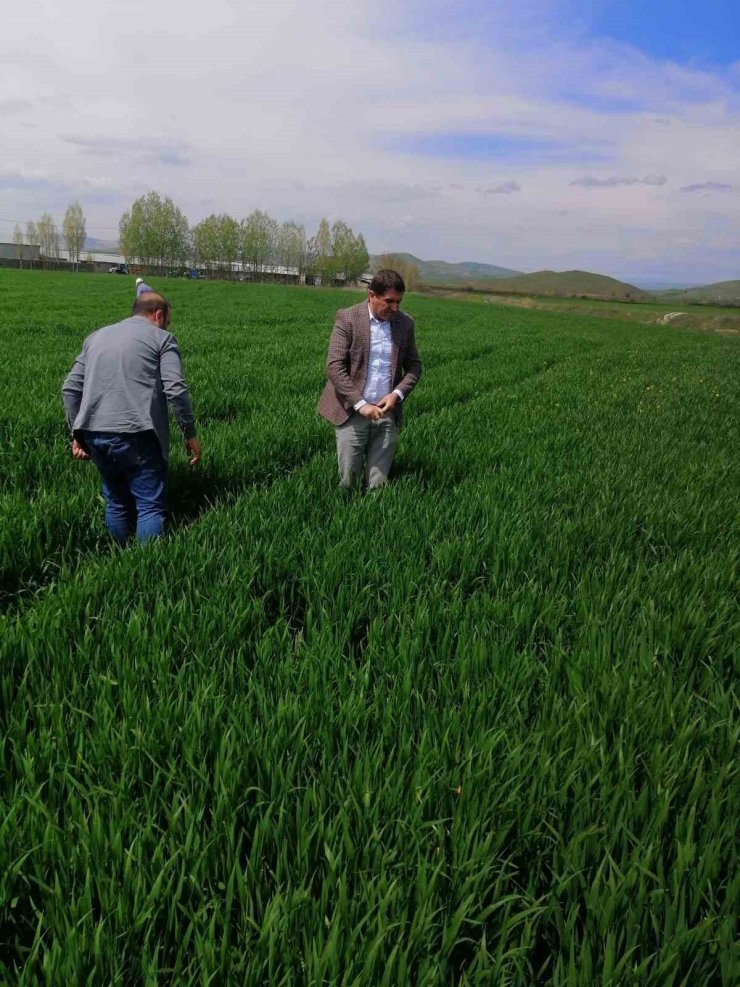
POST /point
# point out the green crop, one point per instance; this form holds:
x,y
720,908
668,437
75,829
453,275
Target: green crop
x,y
479,727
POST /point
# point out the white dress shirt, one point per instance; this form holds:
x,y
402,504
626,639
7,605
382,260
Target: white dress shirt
x,y
379,364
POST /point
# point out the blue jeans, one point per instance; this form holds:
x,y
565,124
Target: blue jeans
x,y
134,475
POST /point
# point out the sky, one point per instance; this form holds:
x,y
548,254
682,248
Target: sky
x,y
551,134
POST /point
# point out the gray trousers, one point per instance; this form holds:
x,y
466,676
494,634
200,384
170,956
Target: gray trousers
x,y
365,448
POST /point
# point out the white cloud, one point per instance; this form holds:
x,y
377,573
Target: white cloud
x,y
9,107
504,188
706,187
293,107
589,182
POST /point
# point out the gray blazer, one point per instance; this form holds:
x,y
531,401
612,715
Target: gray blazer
x,y
123,379
346,364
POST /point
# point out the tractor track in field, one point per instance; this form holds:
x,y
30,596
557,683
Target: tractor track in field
x,y
480,394
199,496
20,592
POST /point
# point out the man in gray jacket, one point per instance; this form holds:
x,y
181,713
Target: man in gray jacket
x,y
115,399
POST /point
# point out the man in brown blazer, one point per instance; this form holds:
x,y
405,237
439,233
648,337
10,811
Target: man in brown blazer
x,y
372,367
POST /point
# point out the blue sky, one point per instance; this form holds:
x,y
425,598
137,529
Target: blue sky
x,y
497,146
548,134
686,32
692,33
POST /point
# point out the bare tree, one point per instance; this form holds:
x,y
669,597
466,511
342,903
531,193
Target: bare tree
x,y
48,239
406,268
74,232
32,237
291,248
310,259
18,241
319,252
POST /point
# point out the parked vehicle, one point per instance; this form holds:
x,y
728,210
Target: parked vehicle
x,y
118,269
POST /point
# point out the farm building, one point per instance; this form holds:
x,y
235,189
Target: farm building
x,y
30,252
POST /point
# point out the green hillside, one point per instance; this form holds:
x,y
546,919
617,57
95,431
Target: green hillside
x,y
568,283
721,293
441,273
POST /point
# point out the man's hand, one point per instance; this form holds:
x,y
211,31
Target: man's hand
x,y
388,403
371,411
193,447
77,451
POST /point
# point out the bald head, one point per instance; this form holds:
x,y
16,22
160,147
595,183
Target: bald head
x,y
151,304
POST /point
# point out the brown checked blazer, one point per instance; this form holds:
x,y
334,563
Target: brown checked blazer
x,y
346,364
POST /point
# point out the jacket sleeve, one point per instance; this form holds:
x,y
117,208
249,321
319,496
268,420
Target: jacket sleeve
x,y
337,361
411,365
72,388
175,388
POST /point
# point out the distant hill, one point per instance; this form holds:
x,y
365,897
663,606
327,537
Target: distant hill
x,y
664,285
101,246
567,284
721,293
440,272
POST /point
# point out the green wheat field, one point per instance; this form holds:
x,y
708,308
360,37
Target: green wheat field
x,y
477,728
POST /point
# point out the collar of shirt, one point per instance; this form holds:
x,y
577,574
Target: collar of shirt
x,y
378,322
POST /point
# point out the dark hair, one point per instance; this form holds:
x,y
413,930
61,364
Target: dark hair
x,y
387,280
150,302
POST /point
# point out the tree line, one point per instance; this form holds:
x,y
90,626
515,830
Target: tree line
x,y
155,233
45,235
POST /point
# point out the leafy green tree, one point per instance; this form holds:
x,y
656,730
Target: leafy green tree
x,y
215,243
204,242
359,259
349,253
155,233
259,235
342,242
